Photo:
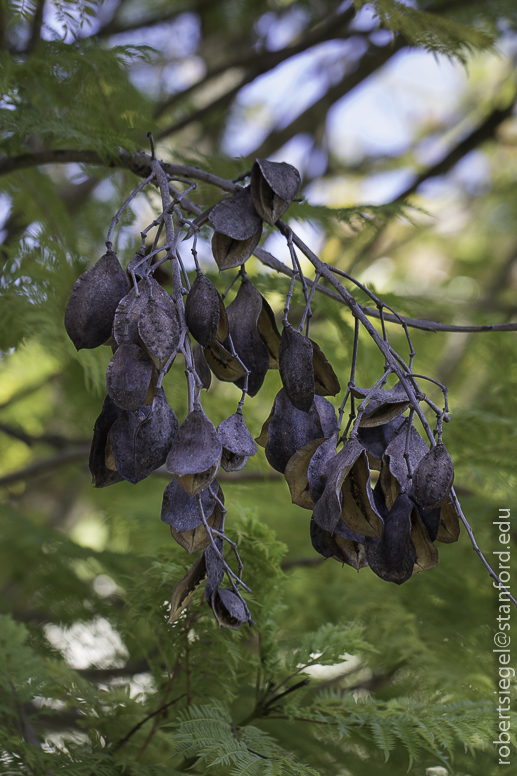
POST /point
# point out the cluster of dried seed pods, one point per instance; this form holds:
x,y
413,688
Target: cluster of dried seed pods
x,y
390,526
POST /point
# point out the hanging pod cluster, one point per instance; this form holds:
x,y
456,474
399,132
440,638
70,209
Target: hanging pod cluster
x,y
390,527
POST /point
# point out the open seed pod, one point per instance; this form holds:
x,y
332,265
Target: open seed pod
x,y
102,476
225,367
201,366
93,301
141,440
228,609
392,557
181,511
128,377
132,306
243,316
159,332
433,477
316,477
205,313
185,589
287,430
238,228
348,494
375,440
384,405
449,529
274,185
238,444
196,452
394,472
426,552
296,369
296,474
343,545
325,379
269,333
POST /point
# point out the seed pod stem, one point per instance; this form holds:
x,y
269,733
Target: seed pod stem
x,y
116,217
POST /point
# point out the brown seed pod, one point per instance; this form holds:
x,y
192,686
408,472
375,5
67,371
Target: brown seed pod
x,y
238,444
186,588
426,552
449,530
348,494
181,512
93,301
394,472
203,310
296,474
243,315
225,367
201,366
268,332
128,377
228,609
343,545
238,228
196,452
392,557
384,405
296,368
274,185
433,477
141,440
159,332
325,379
289,429
102,476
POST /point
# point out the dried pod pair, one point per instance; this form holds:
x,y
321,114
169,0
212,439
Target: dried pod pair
x,y
237,442
184,514
94,299
304,369
274,185
342,544
384,405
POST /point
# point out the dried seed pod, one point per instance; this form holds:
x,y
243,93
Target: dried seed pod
x,y
296,368
392,557
269,333
196,452
433,477
274,185
238,444
426,552
296,474
225,367
325,379
316,477
238,228
327,415
203,310
159,332
228,609
394,472
375,440
288,430
343,545
181,512
348,494
102,476
132,306
201,366
384,405
93,301
431,518
141,440
449,530
185,589
243,316
128,377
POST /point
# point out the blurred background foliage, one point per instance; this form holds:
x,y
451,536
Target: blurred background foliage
x,y
405,109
